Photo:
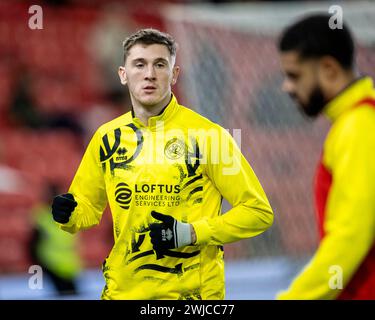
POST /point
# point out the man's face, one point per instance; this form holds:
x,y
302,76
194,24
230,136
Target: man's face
x,y
149,72
302,83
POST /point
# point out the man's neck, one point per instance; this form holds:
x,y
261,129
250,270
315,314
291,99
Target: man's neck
x,y
143,112
342,83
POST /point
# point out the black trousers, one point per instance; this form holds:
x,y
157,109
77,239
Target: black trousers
x,y
62,286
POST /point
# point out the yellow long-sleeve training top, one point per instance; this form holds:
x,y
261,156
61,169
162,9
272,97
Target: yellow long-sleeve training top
x,y
180,164
344,265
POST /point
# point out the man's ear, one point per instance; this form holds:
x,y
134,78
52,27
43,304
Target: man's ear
x,y
122,75
329,68
176,72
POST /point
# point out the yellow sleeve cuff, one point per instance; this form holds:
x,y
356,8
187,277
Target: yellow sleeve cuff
x,y
68,227
202,232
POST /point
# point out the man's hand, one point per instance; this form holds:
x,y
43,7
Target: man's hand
x,y
62,207
170,234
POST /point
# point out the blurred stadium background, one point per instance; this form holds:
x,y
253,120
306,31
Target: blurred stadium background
x,y
58,84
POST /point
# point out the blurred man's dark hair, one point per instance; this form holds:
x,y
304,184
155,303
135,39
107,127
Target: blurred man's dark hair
x,y
312,37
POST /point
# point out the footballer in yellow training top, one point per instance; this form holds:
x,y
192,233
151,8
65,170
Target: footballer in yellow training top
x,y
164,176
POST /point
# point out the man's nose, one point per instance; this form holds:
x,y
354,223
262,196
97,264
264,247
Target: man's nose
x,y
150,73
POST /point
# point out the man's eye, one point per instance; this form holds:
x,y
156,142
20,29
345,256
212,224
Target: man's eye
x,y
160,65
139,65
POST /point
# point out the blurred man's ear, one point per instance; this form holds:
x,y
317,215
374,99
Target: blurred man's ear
x,y
329,68
331,75
122,75
176,72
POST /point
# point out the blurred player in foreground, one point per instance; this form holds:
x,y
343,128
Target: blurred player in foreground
x,y
164,170
320,76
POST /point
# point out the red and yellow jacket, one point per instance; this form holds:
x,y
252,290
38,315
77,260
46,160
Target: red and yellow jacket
x,y
344,265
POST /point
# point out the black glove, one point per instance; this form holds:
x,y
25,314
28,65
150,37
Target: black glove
x,y
62,207
170,234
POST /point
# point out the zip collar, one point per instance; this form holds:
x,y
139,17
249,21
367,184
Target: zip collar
x,y
358,90
164,116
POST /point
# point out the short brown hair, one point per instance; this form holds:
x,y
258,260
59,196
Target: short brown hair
x,y
149,36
